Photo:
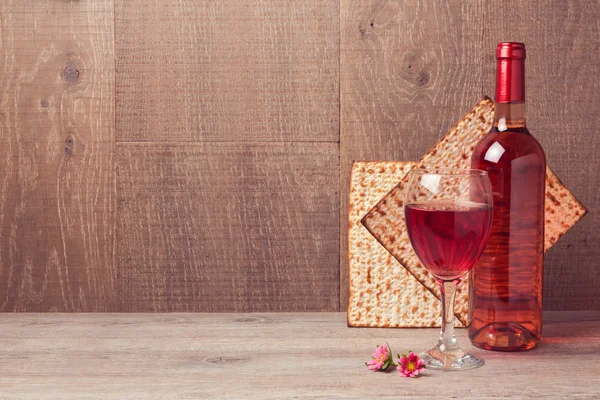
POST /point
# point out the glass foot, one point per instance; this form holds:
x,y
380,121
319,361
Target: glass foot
x,y
450,360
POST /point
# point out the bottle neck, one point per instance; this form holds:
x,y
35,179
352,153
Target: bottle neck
x,y
510,93
509,116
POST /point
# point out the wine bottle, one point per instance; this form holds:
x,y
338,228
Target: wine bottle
x,y
506,285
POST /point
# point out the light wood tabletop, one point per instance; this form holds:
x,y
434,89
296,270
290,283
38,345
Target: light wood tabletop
x,y
272,356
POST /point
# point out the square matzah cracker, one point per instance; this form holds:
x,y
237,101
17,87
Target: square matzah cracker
x,y
386,220
382,292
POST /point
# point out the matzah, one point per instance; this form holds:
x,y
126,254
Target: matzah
x,y
386,220
382,292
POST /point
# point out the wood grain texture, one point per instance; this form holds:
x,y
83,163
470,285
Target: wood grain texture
x,y
563,93
408,71
260,70
228,226
272,356
56,152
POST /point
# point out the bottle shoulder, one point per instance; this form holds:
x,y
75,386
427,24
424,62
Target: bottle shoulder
x,y
497,147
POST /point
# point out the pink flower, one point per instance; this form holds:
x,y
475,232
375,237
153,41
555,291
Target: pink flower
x,y
382,358
411,365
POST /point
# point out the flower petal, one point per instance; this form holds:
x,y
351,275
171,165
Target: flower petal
x,y
403,360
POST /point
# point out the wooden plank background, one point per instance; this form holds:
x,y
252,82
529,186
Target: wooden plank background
x,y
195,155
57,148
227,71
246,218
228,226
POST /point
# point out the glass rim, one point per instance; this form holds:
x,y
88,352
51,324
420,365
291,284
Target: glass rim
x,y
448,171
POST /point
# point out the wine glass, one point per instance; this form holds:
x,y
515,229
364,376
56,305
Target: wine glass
x,y
448,218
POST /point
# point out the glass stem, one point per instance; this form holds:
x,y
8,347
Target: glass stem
x,y
447,340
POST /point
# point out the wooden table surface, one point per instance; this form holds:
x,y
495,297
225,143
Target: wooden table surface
x,y
271,356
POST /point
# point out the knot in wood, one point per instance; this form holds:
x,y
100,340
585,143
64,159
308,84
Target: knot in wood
x,y
69,146
423,78
218,360
362,31
415,69
71,74
258,320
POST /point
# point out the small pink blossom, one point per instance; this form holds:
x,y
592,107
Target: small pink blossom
x,y
410,366
382,358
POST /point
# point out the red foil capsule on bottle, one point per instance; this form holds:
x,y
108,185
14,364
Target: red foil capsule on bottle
x,y
510,73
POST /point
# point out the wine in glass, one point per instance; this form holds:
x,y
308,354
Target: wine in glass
x,y
448,218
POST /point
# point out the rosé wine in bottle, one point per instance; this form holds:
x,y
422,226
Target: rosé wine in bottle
x,y
506,285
